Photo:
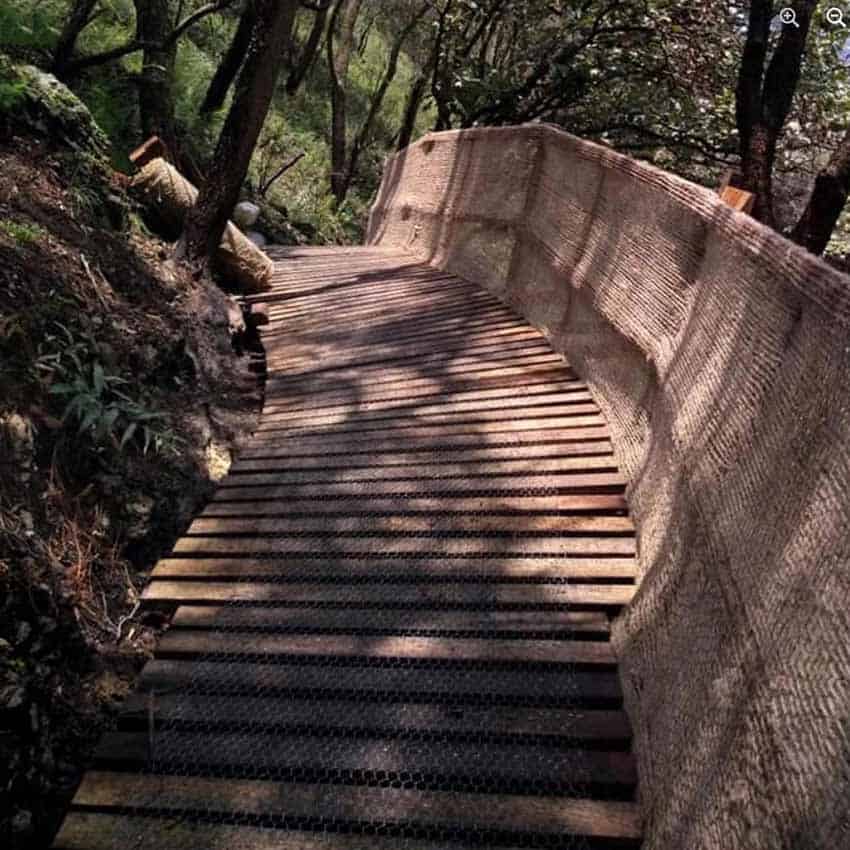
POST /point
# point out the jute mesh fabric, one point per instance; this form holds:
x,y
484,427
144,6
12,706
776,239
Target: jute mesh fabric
x,y
720,354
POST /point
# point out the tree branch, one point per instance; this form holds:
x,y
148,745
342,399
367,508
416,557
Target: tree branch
x,y
193,19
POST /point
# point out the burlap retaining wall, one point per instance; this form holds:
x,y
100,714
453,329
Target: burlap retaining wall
x,y
720,353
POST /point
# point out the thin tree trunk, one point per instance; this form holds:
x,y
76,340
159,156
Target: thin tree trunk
x,y
270,37
763,98
826,203
78,20
229,67
346,11
411,110
307,56
757,171
439,82
156,82
361,139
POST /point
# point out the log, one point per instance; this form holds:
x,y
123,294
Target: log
x,y
169,196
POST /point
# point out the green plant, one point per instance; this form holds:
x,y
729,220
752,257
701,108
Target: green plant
x,y
12,94
21,232
98,400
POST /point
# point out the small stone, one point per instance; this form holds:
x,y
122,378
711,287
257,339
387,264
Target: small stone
x,y
257,238
46,624
245,215
218,459
22,823
139,509
23,631
13,697
29,523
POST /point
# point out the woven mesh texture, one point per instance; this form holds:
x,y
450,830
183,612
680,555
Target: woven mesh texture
x,y
720,354
391,624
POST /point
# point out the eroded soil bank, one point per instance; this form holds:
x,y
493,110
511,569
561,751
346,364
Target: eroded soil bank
x,y
126,386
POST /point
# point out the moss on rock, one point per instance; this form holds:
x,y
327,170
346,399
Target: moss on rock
x,y
34,101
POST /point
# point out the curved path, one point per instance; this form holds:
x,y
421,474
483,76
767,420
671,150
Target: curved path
x,y
391,625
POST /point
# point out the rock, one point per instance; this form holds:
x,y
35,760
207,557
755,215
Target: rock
x,y
18,433
22,823
29,523
245,214
23,632
47,625
13,697
257,238
217,459
51,109
139,509
235,318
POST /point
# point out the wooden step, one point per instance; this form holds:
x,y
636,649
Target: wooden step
x,y
178,643
468,458
549,687
341,570
234,503
212,592
549,815
389,619
568,481
556,726
331,523
476,766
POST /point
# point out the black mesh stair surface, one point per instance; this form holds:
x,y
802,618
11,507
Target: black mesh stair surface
x,y
391,623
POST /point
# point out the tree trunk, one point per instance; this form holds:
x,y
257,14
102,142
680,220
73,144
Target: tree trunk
x,y
763,98
346,12
411,111
253,95
361,139
156,82
227,70
440,89
826,203
757,171
305,59
78,20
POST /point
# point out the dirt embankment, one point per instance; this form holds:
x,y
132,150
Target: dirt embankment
x,y
125,387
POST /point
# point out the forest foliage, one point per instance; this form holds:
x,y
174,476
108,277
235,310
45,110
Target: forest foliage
x,y
695,88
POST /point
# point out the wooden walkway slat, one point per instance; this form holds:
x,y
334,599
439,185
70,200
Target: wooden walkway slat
x,y
554,725
391,624
545,687
397,570
503,812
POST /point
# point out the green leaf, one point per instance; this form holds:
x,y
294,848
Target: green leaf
x,y
128,434
97,378
89,419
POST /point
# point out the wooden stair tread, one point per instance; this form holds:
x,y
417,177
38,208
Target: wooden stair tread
x,y
276,618
547,815
555,724
427,594
370,683
396,570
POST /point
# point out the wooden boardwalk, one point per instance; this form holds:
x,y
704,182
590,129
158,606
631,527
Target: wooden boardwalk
x,y
392,621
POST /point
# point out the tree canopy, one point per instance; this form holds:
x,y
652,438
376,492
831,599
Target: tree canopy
x,y
696,88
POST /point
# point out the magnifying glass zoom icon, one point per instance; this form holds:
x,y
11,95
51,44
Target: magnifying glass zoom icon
x,y
835,16
789,17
